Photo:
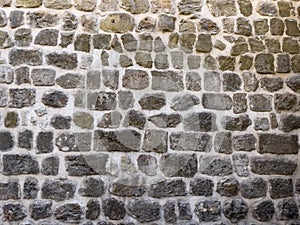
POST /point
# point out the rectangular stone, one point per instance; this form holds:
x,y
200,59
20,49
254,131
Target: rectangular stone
x,y
167,80
278,144
28,56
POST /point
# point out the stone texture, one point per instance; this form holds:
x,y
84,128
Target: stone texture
x,y
152,101
43,77
281,188
263,210
246,142
58,4
93,209
293,82
239,123
254,188
264,63
288,209
208,210
186,141
117,22
22,56
222,8
85,5
204,121
92,187
69,213
271,84
223,142
28,4
19,164
30,188
14,212
114,209
135,79
156,141
62,60
16,18
40,210
168,188
10,190
55,99
228,187
215,165
235,209
50,166
200,186
216,101
42,19
144,210
260,102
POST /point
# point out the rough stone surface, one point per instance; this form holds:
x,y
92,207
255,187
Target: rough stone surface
x,y
208,210
215,166
201,186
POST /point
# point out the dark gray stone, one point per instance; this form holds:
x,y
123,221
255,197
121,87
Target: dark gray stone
x,y
82,43
239,123
14,212
239,103
105,101
183,141
184,209
216,101
43,77
16,18
283,63
10,189
62,60
239,49
178,165
169,213
40,209
69,213
92,210
281,188
200,186
44,142
70,80
61,122
240,164
3,96
25,56
21,97
144,210
287,209
125,99
50,166
256,45
23,38
114,209
135,79
260,102
290,45
231,82
168,188
147,164
215,165
184,102
235,209
68,142
128,187
292,28
163,120
110,120
55,99
155,141
153,101
17,164
208,210
228,187
121,140
289,122
84,165
46,37
203,121
92,187
263,210
254,188
22,75
58,189
30,188
269,166
264,63
146,40
278,144
204,43
135,118
42,19
271,84
166,23
293,82
144,59
167,80
223,142
244,142
6,141
193,81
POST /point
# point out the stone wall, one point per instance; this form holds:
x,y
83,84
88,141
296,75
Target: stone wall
x,y
149,111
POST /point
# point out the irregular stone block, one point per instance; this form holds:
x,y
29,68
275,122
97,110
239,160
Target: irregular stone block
x,y
114,209
40,209
260,102
263,210
10,190
204,43
281,188
28,3
43,77
167,81
44,142
204,121
246,142
287,209
139,209
14,212
50,166
187,7
92,209
264,63
47,37
184,102
92,187
105,101
221,8
182,141
228,187
166,23
155,141
58,4
24,56
153,101
62,60
85,5
235,209
19,164
254,188
208,210
135,79
117,23
239,123
58,189
42,19
215,166
6,141
216,101
289,122
200,186
30,188
55,99
293,82
168,188
129,187
69,213
223,143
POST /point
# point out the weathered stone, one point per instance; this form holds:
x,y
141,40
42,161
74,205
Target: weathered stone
x,y
256,45
278,144
187,7
271,84
50,166
125,61
212,81
30,188
121,140
25,139
144,210
58,4
147,164
6,141
261,124
58,189
92,209
273,45
19,164
40,209
61,122
82,43
260,102
55,99
152,101
47,37
14,212
173,40
10,190
292,28
267,166
221,8
5,3
62,60
228,187
177,59
110,79
143,59
193,81
264,63
283,63
117,22
208,26
246,142
159,45
42,19
276,26
187,42
23,38
11,120
105,101
190,142
16,18
85,5
204,43
22,56
226,63
231,82
20,98
43,77
284,8
70,21
184,209
166,23
83,165
161,61
69,213
290,45
168,188
129,42
187,27
66,39
219,45
254,188
163,120
135,118
235,209
145,42
21,76
110,120
240,164
135,79
243,27
89,23
216,101
169,213
83,120
263,210
239,49
239,103
250,82
114,209
200,186
133,186
184,102
182,165
44,142
281,188
67,142
3,96
156,141
287,209
261,26
289,122
92,187
204,121
3,19
295,63
265,8
239,123
208,210
215,166
210,63
28,3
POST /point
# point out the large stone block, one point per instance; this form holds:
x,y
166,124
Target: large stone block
x,y
58,189
19,164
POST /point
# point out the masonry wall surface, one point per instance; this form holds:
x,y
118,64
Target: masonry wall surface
x,y
149,112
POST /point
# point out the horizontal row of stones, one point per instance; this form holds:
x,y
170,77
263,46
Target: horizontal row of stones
x,y
170,164
216,8
204,210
